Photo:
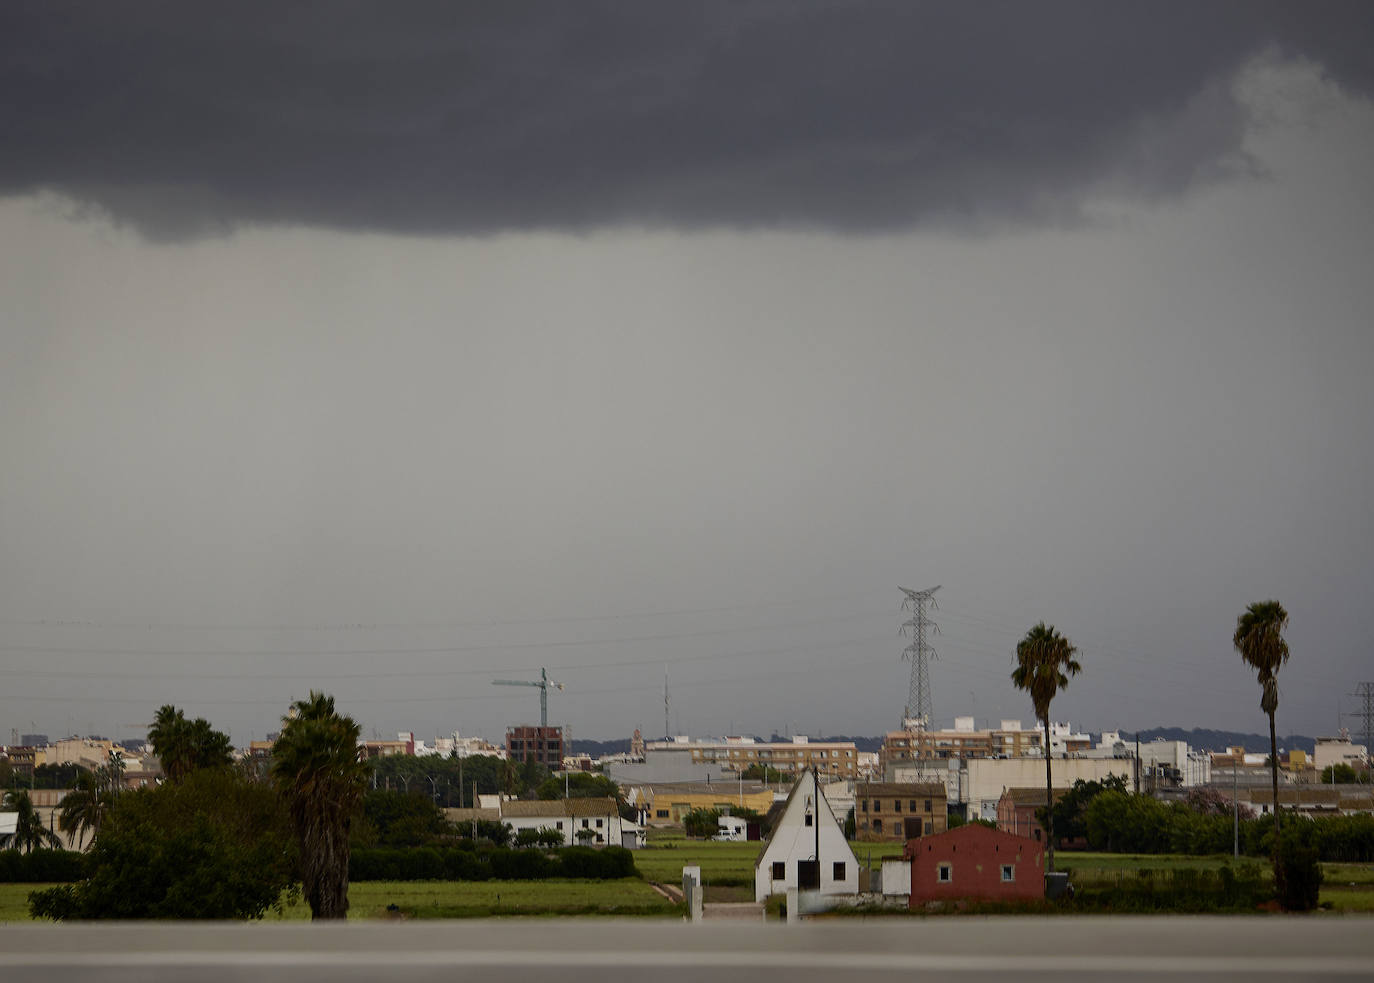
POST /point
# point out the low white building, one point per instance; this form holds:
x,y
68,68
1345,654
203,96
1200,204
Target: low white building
x,y
807,849
589,822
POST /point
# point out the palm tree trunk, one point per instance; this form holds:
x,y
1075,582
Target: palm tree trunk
x,y
1274,771
1049,803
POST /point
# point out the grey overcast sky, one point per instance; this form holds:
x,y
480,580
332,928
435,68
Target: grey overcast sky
x,y
392,349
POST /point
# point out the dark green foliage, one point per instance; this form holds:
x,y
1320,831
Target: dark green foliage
x,y
851,827
529,837
464,863
493,832
765,773
580,785
702,822
184,746
1342,774
56,776
397,819
1123,823
448,780
316,770
1071,811
1297,874
41,866
29,833
213,846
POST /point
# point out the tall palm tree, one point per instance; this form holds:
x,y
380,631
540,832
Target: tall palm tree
x,y
316,768
1044,663
184,745
1259,640
29,832
85,807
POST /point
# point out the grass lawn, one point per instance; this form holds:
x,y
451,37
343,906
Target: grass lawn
x,y
453,899
14,901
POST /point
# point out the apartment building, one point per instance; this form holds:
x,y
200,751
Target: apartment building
x,y
541,744
964,741
835,759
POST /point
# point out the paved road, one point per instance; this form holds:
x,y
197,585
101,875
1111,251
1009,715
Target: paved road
x,y
574,950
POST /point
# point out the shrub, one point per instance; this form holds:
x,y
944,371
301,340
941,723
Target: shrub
x,y
1297,874
41,866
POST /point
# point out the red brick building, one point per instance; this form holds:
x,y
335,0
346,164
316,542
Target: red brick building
x,y
975,863
541,744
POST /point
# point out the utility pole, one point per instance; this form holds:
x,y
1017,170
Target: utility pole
x,y
667,732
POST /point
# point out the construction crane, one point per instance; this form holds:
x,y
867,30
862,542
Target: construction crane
x,y
544,683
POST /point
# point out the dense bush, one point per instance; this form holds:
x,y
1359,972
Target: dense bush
x,y
213,846
1184,890
1123,823
41,866
1297,874
463,863
399,819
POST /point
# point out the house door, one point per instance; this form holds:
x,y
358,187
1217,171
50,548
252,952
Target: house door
x,y
809,875
912,828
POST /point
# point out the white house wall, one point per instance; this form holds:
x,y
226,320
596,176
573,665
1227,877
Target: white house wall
x,y
792,841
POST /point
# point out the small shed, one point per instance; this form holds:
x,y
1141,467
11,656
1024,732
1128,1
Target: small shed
x,y
975,863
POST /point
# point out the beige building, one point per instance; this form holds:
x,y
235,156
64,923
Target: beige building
x,y
666,803
962,742
833,759
899,811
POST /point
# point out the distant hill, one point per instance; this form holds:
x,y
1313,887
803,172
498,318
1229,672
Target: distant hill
x,y
1204,739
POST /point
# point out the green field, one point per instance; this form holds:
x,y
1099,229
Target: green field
x,y
454,899
727,870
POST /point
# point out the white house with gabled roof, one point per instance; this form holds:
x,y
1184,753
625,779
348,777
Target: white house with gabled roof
x,y
807,849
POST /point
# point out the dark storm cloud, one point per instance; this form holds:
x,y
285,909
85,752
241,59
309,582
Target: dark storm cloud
x,y
443,117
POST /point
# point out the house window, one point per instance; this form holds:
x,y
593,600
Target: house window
x,y
945,873
585,823
809,819
912,806
877,805
930,827
865,805
838,872
877,825
559,824
896,805
598,824
927,805
660,814
1008,873
779,870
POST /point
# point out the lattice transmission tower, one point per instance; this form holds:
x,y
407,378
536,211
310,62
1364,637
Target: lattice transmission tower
x,y
1364,692
919,628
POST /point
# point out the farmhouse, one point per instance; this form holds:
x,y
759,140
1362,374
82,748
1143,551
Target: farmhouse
x,y
975,863
807,849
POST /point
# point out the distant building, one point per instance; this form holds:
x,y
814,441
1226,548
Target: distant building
x,y
899,811
666,803
975,863
540,744
1330,751
962,742
1016,811
591,821
835,759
